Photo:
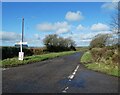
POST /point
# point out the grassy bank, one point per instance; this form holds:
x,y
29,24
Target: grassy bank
x,y
11,62
101,66
86,58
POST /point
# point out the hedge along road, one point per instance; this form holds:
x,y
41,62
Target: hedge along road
x,y
59,75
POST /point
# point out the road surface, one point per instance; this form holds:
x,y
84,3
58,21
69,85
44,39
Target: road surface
x,y
59,75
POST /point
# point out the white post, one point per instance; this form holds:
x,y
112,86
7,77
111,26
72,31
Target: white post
x,y
21,46
21,54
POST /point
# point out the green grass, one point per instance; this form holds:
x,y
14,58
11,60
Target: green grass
x,y
86,58
11,62
102,67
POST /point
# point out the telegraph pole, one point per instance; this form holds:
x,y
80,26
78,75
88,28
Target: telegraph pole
x,y
22,35
22,28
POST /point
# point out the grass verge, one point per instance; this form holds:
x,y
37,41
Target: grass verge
x,y
109,69
11,62
87,57
101,67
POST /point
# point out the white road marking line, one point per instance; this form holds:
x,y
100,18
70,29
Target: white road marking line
x,y
64,91
73,74
66,88
77,67
75,70
70,78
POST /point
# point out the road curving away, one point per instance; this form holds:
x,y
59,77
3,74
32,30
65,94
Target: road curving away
x,y
59,75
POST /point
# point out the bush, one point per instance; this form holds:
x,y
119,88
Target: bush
x,y
9,52
97,53
27,52
108,54
38,51
116,59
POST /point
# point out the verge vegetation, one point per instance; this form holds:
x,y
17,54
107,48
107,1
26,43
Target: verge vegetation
x,y
102,57
12,62
106,62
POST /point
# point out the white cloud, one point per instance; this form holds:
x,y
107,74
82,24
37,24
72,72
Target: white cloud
x,y
74,16
80,27
100,27
62,30
58,27
109,6
82,38
35,40
9,36
45,27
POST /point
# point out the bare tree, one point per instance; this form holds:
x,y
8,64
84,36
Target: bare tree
x,y
99,40
115,23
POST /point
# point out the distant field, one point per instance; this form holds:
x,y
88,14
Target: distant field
x,y
82,48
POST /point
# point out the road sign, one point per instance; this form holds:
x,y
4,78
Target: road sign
x,y
19,43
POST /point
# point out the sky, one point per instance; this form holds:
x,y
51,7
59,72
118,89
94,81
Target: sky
x,y
80,21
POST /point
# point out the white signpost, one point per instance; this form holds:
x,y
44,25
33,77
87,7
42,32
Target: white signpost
x,y
21,54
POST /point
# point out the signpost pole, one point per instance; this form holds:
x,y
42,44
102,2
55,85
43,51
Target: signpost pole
x,y
21,54
20,46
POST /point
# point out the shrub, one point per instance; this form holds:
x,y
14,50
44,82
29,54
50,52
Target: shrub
x,y
116,59
38,51
9,52
108,54
97,53
27,52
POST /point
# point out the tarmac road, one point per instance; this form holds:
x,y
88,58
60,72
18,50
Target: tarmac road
x,y
59,75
